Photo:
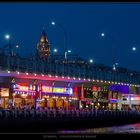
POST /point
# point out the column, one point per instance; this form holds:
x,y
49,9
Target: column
x,y
36,96
82,91
82,95
129,101
119,101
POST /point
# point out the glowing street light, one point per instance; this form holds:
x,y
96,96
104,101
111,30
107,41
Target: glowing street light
x,y
66,52
17,46
91,60
65,37
102,34
7,36
114,67
69,51
55,50
133,48
53,23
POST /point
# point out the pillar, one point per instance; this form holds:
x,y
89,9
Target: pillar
x,y
82,91
82,95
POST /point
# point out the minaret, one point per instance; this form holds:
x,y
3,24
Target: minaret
x,y
43,47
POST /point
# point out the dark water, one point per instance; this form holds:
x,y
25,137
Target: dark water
x,y
124,129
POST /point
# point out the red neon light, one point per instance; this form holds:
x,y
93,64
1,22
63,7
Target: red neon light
x,y
94,88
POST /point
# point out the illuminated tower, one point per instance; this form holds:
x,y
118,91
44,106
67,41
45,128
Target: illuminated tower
x,y
43,47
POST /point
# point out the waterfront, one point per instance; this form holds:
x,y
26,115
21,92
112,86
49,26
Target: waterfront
x,y
121,129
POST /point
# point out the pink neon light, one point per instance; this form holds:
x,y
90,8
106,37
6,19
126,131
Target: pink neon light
x,y
113,99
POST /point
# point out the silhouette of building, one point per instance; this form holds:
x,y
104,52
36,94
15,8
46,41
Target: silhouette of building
x,y
43,47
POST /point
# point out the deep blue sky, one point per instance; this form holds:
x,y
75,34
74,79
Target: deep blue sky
x,y
84,22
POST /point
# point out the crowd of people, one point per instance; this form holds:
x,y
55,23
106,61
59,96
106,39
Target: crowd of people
x,y
27,112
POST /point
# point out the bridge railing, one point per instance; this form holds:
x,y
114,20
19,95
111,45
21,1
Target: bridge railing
x,y
87,71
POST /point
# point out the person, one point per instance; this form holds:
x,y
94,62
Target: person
x,y
32,112
1,107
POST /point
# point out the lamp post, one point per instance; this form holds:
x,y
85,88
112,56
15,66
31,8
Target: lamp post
x,y
91,61
114,63
66,53
65,37
55,50
17,47
8,37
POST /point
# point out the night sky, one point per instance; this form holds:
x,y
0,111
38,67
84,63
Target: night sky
x,y
83,22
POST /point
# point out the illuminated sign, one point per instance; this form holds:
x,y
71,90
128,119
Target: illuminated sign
x,y
47,89
69,90
24,87
32,87
59,90
113,100
94,88
4,92
135,98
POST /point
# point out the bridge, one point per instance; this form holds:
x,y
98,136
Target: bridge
x,y
76,70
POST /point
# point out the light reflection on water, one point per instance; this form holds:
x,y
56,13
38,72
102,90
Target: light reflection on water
x,y
131,128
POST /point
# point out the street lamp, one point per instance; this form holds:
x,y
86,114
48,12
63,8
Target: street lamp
x,y
53,23
134,48
102,34
65,37
91,61
69,51
55,50
17,47
114,64
8,37
66,52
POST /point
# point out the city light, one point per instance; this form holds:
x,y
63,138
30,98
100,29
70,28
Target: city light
x,y
8,71
88,79
133,48
102,34
114,67
7,36
91,60
53,23
55,50
69,51
17,46
27,73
